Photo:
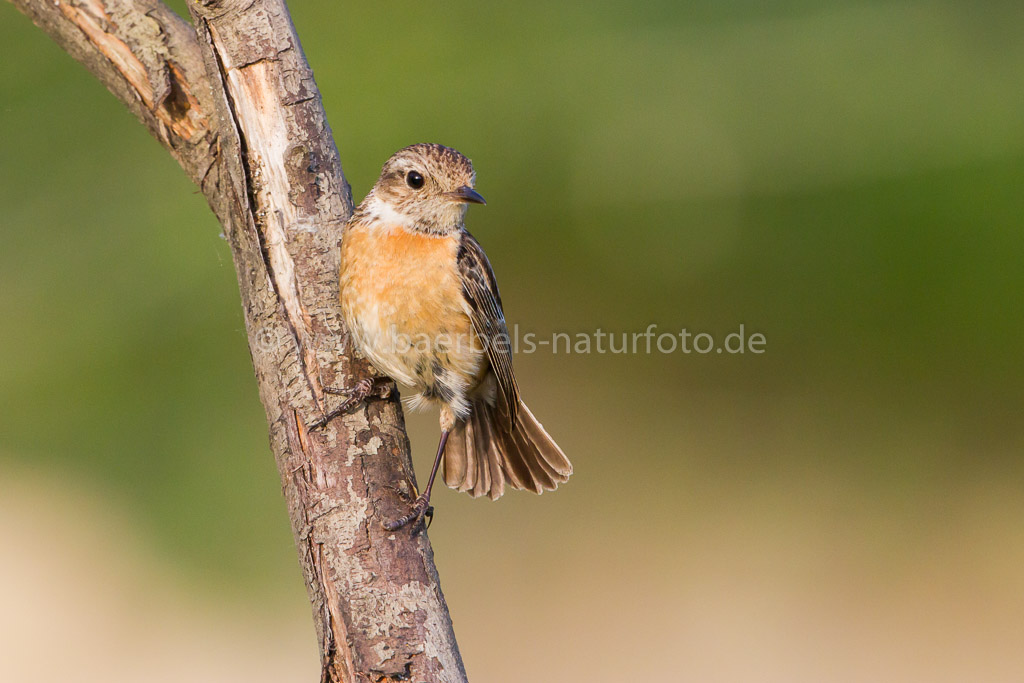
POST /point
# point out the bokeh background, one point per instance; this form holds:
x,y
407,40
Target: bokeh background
x,y
843,177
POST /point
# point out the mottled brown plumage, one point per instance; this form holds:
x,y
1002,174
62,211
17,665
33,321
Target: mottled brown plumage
x,y
421,300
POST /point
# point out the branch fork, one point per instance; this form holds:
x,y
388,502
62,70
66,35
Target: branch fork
x,y
233,100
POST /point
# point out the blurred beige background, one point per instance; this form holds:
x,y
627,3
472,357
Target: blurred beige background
x,y
842,177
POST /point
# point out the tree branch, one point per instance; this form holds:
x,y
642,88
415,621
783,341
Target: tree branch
x,y
235,102
148,57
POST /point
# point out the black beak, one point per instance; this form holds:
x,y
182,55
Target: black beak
x,y
466,194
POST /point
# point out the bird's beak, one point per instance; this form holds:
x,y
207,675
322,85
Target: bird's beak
x,y
466,194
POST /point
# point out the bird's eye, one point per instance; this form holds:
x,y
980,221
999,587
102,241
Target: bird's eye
x,y
414,180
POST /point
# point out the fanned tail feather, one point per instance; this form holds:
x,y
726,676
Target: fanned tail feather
x,y
483,454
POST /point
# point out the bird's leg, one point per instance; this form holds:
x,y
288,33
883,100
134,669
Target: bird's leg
x,y
421,506
380,387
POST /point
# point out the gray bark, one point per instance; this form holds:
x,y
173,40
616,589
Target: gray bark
x,y
234,101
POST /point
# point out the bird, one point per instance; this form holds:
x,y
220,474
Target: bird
x,y
421,303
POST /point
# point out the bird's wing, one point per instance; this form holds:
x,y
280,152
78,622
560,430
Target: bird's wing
x,y
481,292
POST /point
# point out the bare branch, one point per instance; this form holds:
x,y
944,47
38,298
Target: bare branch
x,y
235,102
148,57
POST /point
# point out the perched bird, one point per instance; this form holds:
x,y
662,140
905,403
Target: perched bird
x,y
420,300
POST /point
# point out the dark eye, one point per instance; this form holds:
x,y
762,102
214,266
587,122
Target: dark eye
x,y
414,180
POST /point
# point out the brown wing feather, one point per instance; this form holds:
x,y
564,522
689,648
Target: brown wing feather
x,y
481,291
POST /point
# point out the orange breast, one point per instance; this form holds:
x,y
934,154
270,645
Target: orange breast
x,y
397,281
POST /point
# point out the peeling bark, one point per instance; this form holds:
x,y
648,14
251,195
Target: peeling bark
x,y
234,101
149,58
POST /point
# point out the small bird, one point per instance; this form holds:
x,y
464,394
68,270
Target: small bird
x,y
421,302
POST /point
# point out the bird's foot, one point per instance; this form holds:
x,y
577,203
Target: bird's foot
x,y
421,509
379,387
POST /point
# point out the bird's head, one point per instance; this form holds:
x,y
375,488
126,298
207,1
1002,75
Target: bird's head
x,y
425,187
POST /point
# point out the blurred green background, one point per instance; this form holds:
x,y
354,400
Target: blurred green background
x,y
843,177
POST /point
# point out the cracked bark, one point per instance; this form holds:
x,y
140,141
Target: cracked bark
x,y
234,101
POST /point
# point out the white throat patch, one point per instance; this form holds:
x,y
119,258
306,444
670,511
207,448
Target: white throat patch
x,y
377,210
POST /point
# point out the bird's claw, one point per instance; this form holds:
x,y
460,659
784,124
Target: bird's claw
x,y
364,389
421,508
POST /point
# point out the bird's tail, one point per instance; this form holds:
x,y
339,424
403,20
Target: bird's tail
x,y
482,454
